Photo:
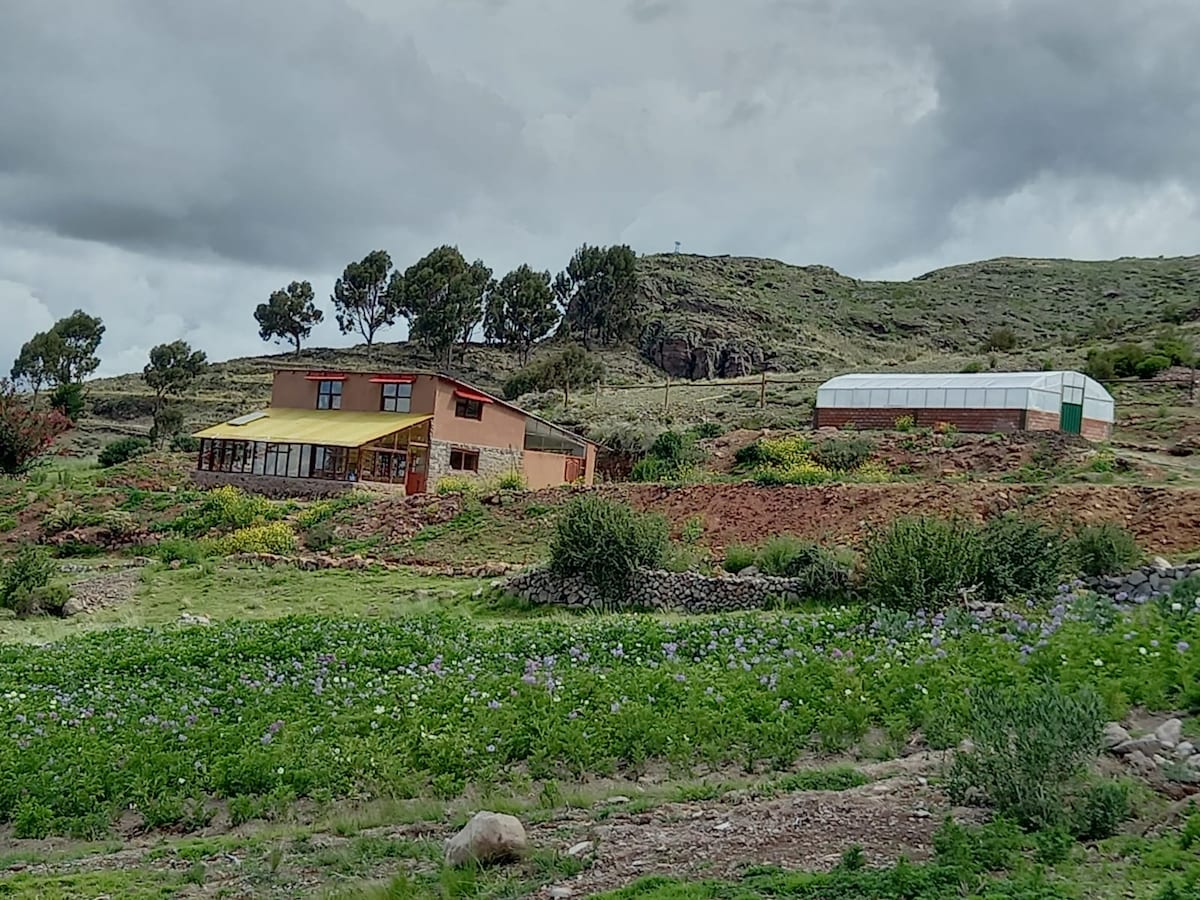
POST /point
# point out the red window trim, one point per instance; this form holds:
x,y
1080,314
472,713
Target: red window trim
x,y
393,379
325,376
464,394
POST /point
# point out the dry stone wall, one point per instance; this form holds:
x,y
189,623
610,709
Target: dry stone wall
x,y
688,592
1148,581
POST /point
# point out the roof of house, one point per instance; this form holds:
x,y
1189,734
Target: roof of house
x,y
444,377
331,428
951,379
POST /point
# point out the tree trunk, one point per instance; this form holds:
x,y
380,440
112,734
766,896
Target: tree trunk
x,y
296,341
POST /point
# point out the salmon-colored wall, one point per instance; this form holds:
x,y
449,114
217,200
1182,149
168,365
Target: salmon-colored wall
x,y
589,477
501,426
543,470
292,390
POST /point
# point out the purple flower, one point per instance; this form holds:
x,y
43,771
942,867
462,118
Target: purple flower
x,y
1183,646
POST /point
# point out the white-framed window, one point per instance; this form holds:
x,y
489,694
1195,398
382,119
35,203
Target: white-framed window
x,y
396,398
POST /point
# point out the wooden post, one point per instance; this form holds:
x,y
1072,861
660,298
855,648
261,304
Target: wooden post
x,y
596,396
1192,386
667,394
762,391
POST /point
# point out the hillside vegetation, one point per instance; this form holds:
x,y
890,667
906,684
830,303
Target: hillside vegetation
x,y
722,317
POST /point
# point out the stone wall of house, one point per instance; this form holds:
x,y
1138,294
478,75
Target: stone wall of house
x,y
493,461
688,592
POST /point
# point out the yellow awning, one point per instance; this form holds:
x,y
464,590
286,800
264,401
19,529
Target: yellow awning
x,y
325,427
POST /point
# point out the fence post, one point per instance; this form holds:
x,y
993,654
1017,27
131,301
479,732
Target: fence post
x,y
762,391
667,394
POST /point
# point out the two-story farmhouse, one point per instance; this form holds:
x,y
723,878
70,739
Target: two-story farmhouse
x,y
408,429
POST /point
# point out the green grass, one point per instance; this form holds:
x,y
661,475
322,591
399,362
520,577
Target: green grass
x,y
226,592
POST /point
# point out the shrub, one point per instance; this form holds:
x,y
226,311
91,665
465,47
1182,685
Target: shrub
x,y
26,432
67,398
669,457
1100,810
872,472
1105,549
463,485
739,557
605,543
276,537
226,508
47,600
974,367
31,569
921,563
649,469
1001,340
821,575
185,443
705,431
780,452
319,537
511,481
119,523
904,423
1020,557
843,454
181,550
1030,749
122,450
63,517
1153,365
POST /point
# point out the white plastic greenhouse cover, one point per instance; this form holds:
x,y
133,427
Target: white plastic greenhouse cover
x,y
1044,391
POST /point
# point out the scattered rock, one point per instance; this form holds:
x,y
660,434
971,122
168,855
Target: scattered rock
x,y
580,849
560,892
188,619
1169,732
619,798
1139,762
723,826
1161,564
488,838
1147,746
1114,735
73,607
1184,750
1137,578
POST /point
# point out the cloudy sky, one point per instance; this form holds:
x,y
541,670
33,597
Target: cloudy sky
x,y
167,163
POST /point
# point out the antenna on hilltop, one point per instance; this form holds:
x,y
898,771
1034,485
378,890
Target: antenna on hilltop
x,y
677,246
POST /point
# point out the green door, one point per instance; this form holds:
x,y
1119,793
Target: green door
x,y
1071,418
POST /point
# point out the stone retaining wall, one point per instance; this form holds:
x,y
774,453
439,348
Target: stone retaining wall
x,y
661,591
691,592
1157,578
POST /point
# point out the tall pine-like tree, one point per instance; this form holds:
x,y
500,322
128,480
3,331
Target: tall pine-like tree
x,y
289,314
444,298
598,293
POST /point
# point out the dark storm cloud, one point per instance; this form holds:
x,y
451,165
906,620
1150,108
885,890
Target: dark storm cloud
x,y
282,131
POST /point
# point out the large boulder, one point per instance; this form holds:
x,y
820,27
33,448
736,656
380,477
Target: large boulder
x,y
488,838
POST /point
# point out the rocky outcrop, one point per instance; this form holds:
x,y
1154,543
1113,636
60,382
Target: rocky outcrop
x,y
700,357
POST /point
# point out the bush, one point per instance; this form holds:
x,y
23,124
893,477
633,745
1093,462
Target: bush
x,y
705,431
1152,365
120,524
277,537
457,484
1105,549
319,537
67,398
921,563
225,508
181,550
511,481
1100,810
670,456
779,452
904,423
30,570
47,600
63,517
1030,749
1001,340
605,543
185,443
739,557
822,576
843,454
122,450
1019,557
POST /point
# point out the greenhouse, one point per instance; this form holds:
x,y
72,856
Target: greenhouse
x,y
1069,402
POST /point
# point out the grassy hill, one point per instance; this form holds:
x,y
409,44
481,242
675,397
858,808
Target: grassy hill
x,y
723,317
